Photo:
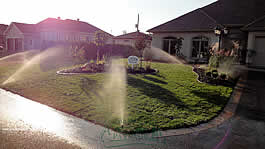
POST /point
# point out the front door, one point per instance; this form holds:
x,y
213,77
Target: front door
x,y
259,59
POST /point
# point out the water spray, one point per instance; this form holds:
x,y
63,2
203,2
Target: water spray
x,y
122,123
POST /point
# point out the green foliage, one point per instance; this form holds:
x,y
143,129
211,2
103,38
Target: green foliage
x,y
100,38
80,56
140,44
214,61
89,51
226,63
178,46
148,65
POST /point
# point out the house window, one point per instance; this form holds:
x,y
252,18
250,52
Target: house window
x,y
169,44
126,40
200,47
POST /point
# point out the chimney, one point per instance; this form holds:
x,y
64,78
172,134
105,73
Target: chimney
x,y
59,18
78,19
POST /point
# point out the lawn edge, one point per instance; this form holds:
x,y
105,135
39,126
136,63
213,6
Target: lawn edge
x,y
176,131
226,114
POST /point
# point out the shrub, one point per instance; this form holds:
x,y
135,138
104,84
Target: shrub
x,y
214,61
215,73
223,76
88,51
209,74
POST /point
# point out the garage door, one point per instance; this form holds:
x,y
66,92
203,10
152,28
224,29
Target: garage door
x,y
259,59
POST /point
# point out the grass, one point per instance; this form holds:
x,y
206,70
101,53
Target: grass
x,y
169,99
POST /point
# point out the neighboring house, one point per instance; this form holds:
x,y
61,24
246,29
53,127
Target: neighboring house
x,y
130,38
3,27
243,19
22,36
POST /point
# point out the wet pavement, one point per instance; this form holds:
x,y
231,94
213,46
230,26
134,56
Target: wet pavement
x,y
27,124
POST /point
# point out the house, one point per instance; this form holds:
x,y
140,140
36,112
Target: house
x,y
238,21
130,38
21,36
3,27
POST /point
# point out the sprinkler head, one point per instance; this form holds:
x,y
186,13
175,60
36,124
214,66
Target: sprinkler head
x,y
121,123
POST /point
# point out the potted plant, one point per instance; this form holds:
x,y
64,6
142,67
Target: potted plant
x,y
223,76
215,73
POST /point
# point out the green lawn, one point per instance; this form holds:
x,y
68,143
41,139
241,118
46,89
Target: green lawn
x,y
170,99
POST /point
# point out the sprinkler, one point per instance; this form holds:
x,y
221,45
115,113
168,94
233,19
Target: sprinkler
x,y
121,123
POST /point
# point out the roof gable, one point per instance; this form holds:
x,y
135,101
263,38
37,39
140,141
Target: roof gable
x,y
133,35
26,28
12,29
196,20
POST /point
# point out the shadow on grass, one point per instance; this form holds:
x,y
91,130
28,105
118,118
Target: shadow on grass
x,y
155,91
155,80
211,96
160,76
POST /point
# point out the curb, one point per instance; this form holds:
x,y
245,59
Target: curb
x,y
225,115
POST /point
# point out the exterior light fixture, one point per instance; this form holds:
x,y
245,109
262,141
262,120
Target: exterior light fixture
x,y
226,31
217,31
220,32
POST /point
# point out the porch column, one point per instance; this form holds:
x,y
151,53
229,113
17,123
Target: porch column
x,y
22,44
169,46
14,44
6,46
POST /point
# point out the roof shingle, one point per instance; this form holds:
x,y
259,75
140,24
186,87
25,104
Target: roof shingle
x,y
222,12
67,25
26,28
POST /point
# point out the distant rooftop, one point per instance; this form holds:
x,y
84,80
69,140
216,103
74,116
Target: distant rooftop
x,y
67,25
52,24
133,35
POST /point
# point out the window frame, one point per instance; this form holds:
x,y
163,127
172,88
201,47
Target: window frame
x,y
168,39
200,39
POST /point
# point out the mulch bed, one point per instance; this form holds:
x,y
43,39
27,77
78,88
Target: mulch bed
x,y
100,68
217,80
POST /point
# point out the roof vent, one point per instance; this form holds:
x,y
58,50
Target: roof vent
x,y
78,19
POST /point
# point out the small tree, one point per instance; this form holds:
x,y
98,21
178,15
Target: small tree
x,y
100,40
140,45
178,46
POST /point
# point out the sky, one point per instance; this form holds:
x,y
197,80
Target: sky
x,y
112,16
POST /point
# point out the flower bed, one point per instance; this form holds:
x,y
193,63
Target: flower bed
x,y
142,71
213,77
87,68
